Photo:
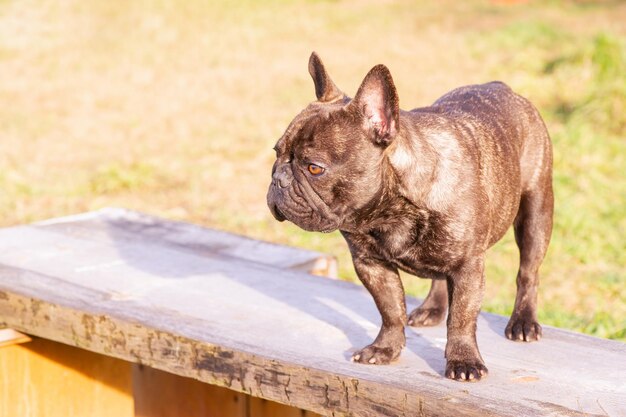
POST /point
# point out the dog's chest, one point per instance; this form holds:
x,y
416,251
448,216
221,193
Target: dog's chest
x,y
414,243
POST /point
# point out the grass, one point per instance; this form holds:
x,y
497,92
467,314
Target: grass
x,y
172,107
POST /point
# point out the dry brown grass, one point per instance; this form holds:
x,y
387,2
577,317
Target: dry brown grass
x,y
172,107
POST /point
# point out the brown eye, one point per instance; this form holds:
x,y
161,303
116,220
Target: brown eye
x,y
315,169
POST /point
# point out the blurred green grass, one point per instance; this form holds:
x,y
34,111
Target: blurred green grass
x,y
172,107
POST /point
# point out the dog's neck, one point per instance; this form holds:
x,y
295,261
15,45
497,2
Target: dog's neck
x,y
429,159
390,202
418,170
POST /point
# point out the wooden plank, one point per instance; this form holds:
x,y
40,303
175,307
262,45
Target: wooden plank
x,y
259,407
123,225
50,379
10,337
281,335
161,394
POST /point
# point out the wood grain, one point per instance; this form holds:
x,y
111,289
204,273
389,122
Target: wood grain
x,y
48,379
278,335
161,394
115,224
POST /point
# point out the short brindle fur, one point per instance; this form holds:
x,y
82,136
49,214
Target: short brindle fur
x,y
425,191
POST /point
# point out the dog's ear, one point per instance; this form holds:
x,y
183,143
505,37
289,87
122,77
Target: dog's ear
x,y
377,103
325,88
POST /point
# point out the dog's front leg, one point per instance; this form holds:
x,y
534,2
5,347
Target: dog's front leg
x,y
383,281
466,286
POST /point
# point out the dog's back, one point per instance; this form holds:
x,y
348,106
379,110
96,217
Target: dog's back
x,y
508,125
504,128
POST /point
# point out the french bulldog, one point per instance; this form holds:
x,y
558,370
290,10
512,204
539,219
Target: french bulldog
x,y
425,191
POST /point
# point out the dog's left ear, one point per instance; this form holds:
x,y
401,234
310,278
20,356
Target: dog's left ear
x,y
377,101
325,88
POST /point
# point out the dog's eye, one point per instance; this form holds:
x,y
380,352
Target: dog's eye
x,y
315,170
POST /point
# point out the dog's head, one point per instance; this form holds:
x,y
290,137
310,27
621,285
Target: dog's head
x,y
328,161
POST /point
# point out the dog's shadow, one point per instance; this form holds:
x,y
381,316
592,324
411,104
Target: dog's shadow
x,y
140,243
352,310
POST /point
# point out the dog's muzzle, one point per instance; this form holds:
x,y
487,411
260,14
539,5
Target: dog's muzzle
x,y
281,179
291,200
282,176
278,215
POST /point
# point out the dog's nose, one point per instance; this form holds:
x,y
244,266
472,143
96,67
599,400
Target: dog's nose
x,y
281,178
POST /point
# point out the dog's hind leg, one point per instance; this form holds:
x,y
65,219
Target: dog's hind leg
x,y
533,227
433,309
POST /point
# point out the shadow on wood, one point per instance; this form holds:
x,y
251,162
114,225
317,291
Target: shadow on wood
x,y
172,298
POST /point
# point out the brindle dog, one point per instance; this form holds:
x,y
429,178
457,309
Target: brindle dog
x,y
425,191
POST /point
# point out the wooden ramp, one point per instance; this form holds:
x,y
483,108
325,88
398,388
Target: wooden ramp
x,y
189,301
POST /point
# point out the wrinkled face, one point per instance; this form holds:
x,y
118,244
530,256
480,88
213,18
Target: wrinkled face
x,y
326,169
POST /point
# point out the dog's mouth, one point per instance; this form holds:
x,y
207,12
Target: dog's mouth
x,y
313,222
302,207
278,215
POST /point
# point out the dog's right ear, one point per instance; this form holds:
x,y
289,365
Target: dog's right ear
x,y
377,102
325,88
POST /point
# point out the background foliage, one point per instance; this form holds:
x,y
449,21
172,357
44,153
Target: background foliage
x,y
172,107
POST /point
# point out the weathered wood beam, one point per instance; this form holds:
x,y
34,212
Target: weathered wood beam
x,y
116,288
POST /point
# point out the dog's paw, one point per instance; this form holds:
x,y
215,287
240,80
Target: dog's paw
x,y
466,371
376,355
520,329
424,317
